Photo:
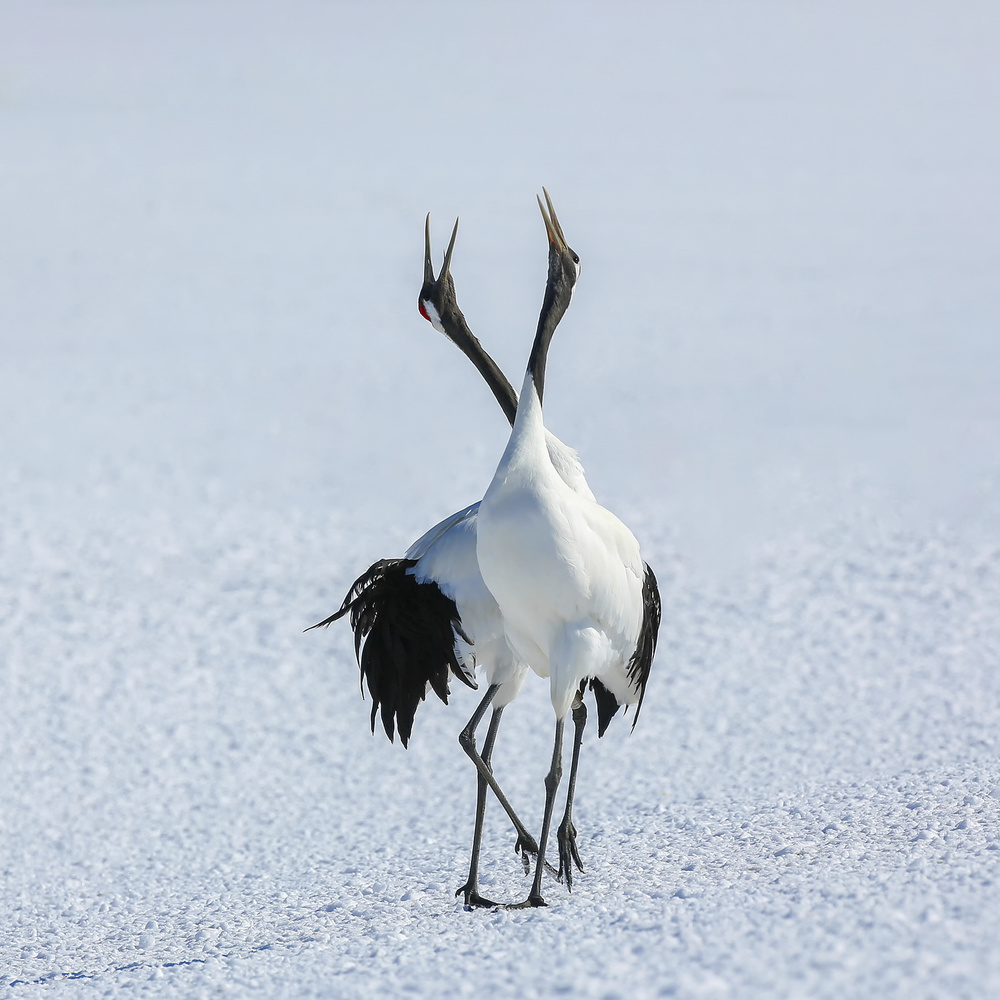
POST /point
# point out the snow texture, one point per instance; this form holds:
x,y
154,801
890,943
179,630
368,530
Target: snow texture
x,y
218,405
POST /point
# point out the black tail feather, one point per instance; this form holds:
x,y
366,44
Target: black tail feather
x,y
640,662
642,659
607,705
408,631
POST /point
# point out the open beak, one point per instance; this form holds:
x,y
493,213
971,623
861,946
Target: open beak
x,y
552,226
428,265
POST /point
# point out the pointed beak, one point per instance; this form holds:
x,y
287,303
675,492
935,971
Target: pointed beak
x,y
428,266
446,266
552,226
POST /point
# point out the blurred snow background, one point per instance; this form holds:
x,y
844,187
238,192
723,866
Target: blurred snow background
x,y
218,405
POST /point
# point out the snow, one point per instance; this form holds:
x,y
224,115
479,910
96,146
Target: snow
x,y
219,405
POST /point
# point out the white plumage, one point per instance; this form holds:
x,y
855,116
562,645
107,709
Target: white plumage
x,y
446,555
565,573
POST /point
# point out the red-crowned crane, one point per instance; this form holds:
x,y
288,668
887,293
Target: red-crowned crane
x,y
579,605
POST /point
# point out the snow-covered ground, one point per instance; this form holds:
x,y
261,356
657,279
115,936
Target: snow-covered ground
x,y
218,405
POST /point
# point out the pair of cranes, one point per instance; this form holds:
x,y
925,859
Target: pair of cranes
x,y
537,575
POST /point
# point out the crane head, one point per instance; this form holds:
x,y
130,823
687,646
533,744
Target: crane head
x,y
564,270
439,306
437,302
564,264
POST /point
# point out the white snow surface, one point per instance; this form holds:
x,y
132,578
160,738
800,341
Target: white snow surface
x,y
218,406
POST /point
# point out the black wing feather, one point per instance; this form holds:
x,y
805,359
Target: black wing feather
x,y
408,630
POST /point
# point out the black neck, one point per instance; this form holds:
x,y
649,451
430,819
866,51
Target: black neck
x,y
554,306
465,340
495,379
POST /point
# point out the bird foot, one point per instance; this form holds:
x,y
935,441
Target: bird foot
x,y
529,903
568,854
473,899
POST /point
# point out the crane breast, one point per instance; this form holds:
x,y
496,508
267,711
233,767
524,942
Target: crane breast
x,y
554,561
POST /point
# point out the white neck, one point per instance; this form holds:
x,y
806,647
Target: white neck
x,y
527,437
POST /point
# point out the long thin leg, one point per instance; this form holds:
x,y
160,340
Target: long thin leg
x,y
471,887
467,738
551,784
566,834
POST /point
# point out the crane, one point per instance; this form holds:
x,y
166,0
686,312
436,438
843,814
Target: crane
x,y
579,604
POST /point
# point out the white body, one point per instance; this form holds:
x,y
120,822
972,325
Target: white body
x,y
447,555
565,573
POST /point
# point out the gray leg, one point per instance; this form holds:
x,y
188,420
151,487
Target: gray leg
x,y
551,784
471,887
566,834
467,738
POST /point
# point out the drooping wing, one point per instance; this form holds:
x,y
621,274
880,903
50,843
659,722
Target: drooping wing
x,y
404,638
